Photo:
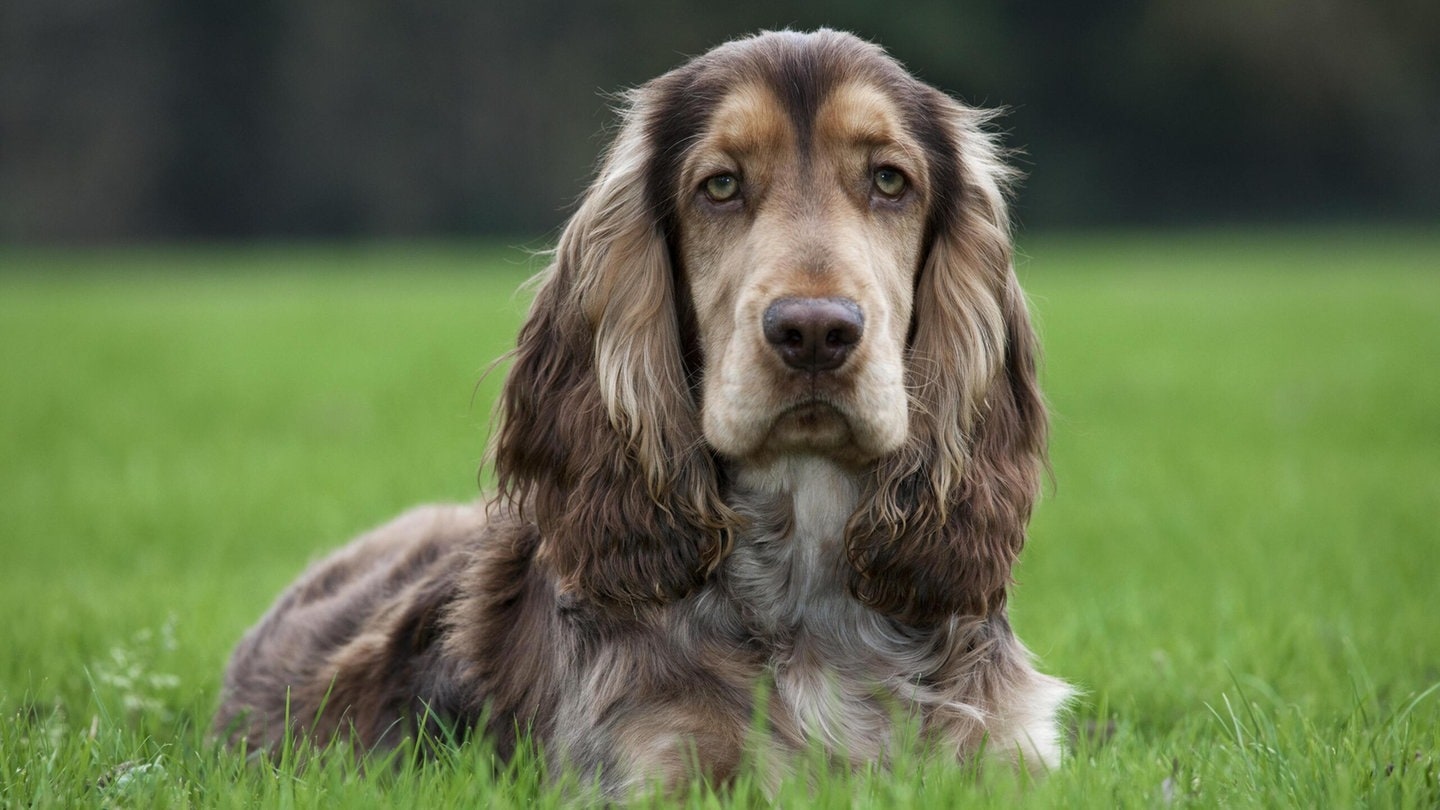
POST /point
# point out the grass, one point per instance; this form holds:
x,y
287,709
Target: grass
x,y
1239,562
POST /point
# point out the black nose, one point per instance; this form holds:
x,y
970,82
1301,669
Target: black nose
x,y
814,334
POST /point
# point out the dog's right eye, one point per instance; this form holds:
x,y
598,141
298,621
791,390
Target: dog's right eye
x,y
722,187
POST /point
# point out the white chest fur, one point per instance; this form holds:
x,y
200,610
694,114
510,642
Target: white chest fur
x,y
841,671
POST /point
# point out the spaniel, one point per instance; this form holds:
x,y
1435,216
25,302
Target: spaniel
x,y
768,447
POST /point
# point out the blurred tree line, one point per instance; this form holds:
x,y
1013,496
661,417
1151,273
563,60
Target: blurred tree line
x,y
145,119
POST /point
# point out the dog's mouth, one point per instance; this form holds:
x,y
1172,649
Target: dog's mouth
x,y
813,426
852,415
812,414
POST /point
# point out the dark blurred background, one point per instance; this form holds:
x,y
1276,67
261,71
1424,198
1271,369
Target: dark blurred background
x,y
125,120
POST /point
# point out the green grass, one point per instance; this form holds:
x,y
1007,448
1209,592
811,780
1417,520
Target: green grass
x,y
1239,561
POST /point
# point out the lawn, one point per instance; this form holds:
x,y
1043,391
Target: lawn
x,y
1238,561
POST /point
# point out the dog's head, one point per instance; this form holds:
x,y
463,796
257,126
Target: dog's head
x,y
792,247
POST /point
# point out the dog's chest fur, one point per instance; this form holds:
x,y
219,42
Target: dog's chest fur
x,y
840,670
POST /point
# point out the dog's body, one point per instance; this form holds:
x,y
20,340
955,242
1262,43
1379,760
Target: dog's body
x,y
772,429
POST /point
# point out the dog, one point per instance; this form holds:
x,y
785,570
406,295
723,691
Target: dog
x,y
767,448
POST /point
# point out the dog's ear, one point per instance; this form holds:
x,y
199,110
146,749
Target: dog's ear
x,y
599,443
945,516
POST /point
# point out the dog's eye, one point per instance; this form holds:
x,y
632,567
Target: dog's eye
x,y
889,182
722,187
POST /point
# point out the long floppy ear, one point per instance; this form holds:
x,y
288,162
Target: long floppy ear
x,y
946,515
599,442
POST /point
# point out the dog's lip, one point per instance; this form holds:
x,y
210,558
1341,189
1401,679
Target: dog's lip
x,y
810,407
818,425
812,413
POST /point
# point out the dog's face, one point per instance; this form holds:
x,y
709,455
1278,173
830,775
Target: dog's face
x,y
800,234
793,247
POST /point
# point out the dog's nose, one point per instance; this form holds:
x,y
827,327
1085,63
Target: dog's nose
x,y
813,334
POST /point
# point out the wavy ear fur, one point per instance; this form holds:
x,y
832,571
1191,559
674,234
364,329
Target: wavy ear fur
x,y
945,518
599,442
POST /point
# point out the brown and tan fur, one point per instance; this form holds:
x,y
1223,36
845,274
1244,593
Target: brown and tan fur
x,y
686,519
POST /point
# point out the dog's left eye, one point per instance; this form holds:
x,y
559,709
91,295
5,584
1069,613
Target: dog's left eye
x,y
889,182
722,187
